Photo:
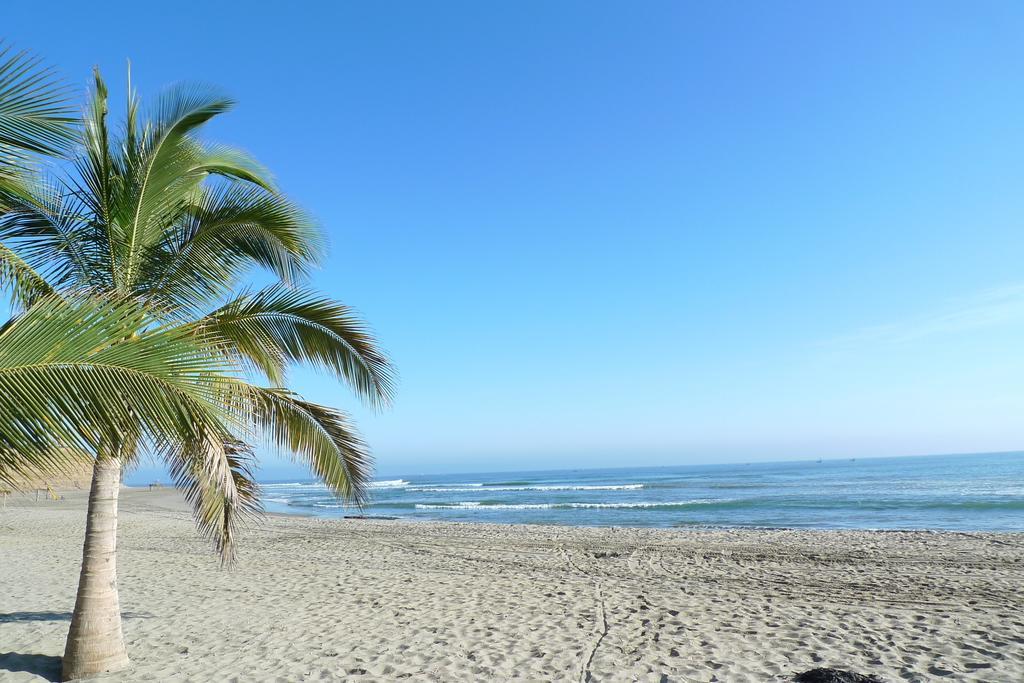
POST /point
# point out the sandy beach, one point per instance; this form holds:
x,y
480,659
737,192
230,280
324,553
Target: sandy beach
x,y
359,600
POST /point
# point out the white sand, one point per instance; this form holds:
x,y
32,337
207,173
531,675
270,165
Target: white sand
x,y
384,600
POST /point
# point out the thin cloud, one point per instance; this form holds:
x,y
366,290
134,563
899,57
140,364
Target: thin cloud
x,y
988,308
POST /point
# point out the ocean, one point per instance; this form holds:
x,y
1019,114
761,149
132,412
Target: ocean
x,y
965,492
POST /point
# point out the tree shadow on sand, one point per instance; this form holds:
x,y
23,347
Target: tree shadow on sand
x,y
14,617
46,666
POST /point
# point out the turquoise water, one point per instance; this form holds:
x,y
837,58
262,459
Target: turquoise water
x,y
965,492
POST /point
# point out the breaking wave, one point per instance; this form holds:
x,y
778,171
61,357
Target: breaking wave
x,y
388,483
477,505
553,487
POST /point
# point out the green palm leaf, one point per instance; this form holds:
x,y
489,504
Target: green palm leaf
x,y
319,436
80,375
46,227
18,277
279,325
34,112
167,165
227,231
216,477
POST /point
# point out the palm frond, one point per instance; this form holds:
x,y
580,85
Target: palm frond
x,y
316,435
231,162
48,227
216,477
35,117
228,230
131,114
278,325
156,173
164,170
183,107
23,282
75,375
97,168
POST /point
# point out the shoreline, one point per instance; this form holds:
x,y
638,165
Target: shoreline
x,y
171,499
335,599
677,528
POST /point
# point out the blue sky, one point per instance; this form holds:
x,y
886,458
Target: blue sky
x,y
600,234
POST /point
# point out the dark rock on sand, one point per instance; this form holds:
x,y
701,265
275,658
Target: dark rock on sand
x,y
824,675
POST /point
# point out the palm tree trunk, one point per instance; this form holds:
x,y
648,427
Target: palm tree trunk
x,y
95,643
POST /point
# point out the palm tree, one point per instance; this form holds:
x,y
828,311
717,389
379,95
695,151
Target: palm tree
x,y
167,226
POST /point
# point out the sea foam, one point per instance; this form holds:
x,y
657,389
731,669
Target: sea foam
x,y
388,483
562,487
477,505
